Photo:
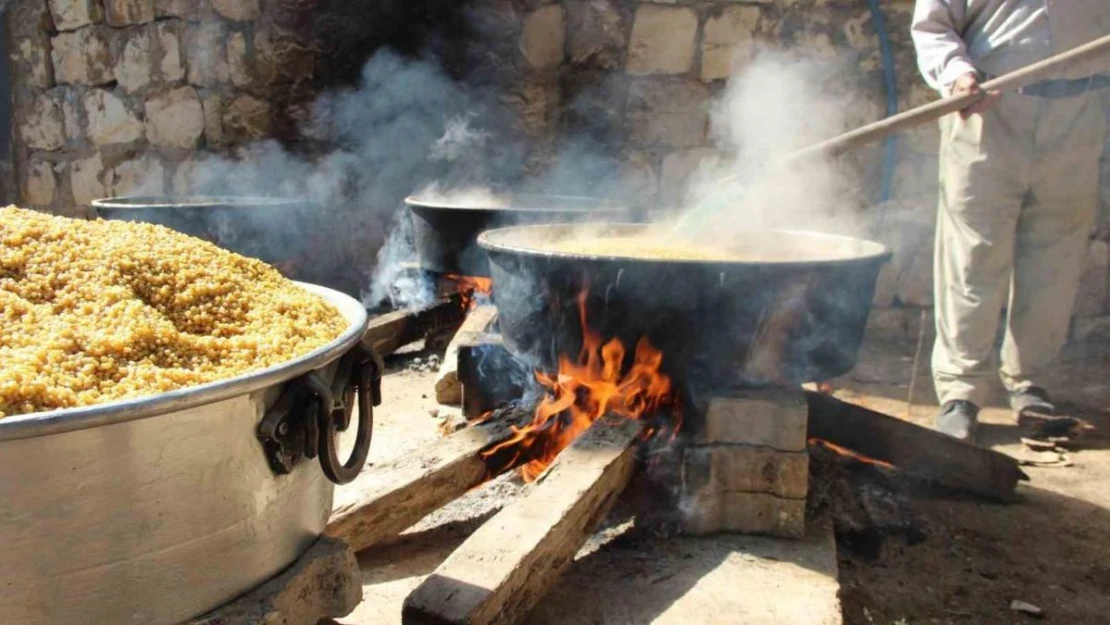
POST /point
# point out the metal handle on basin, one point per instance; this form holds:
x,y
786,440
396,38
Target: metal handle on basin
x,y
311,411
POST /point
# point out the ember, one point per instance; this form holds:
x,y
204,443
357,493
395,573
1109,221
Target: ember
x,y
584,391
844,451
473,290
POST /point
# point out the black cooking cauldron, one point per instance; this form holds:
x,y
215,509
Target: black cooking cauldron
x,y
446,233
794,313
293,235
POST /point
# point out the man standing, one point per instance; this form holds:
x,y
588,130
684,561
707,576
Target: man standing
x,y
1018,192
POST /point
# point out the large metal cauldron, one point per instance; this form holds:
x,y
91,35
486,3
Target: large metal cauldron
x,y
294,235
155,510
446,233
796,315
244,225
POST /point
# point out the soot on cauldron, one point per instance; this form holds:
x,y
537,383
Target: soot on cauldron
x,y
446,227
781,308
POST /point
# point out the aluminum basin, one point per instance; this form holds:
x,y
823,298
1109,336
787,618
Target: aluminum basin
x,y
155,510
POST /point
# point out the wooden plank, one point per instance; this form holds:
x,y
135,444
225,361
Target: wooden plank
x,y
389,332
323,583
384,331
477,322
913,449
502,571
388,499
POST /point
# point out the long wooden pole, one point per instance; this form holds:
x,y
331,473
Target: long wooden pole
x,y
935,110
926,113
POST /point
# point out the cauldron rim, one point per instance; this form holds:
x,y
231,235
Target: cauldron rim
x,y
500,240
523,202
137,202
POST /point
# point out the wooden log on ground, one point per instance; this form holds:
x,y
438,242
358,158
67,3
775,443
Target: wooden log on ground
x,y
389,332
500,573
323,583
388,499
476,323
915,450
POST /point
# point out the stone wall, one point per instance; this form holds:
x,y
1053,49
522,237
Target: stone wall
x,y
117,96
647,70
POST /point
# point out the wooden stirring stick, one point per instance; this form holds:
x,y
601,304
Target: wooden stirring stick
x,y
932,111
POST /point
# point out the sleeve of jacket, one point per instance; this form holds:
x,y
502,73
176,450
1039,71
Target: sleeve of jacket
x,y
941,52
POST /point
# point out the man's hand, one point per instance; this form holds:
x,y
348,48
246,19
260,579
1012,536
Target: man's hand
x,y
969,83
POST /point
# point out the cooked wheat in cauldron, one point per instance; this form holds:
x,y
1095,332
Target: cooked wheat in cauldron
x,y
97,311
648,248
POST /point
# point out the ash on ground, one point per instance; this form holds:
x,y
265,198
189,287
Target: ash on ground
x,y
868,503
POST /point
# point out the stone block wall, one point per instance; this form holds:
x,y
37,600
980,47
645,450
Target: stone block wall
x,y
114,97
639,76
118,96
661,63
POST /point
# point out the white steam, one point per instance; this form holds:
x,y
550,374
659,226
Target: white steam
x,y
778,104
364,149
408,126
398,280
468,196
457,138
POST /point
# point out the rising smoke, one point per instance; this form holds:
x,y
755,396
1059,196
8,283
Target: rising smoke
x,y
406,124
409,126
778,104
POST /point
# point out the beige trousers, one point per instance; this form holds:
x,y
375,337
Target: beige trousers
x,y
1018,193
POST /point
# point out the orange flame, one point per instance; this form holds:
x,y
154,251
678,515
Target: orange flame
x,y
584,391
844,451
472,289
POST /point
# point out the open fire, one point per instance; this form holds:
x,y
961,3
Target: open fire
x,y
472,289
848,453
591,388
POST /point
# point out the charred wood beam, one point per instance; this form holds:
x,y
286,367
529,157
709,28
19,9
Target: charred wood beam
x,y
477,322
389,332
917,451
502,571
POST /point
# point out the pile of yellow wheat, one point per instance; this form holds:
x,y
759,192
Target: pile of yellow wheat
x,y
96,311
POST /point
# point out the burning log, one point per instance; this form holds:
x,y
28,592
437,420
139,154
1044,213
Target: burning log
x,y
489,374
501,572
472,290
587,388
389,332
448,389
388,499
917,451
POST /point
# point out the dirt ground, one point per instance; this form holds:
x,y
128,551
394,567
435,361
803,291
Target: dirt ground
x,y
970,560
1052,549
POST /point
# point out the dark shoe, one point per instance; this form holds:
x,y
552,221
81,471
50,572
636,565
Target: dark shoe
x,y
958,418
1032,399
